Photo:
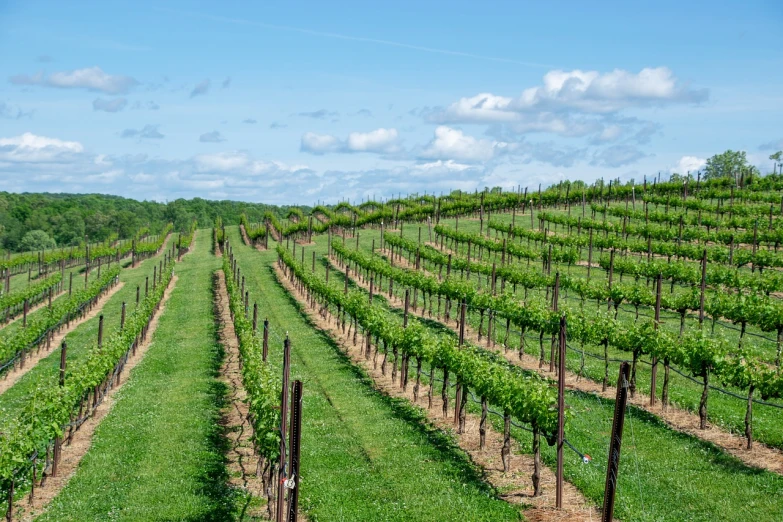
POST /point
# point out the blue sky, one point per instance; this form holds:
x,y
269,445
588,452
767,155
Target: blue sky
x,y
300,102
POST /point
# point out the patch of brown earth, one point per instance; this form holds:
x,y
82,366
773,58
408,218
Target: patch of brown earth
x,y
243,463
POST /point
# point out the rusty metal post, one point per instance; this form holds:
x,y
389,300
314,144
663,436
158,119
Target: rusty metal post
x,y
283,430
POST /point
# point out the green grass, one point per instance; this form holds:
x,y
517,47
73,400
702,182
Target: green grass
x,y
80,339
158,455
365,456
664,474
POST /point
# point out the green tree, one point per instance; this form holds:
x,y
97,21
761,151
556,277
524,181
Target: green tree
x,y
37,240
777,157
726,165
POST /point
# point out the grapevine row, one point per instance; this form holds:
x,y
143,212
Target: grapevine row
x,y
701,354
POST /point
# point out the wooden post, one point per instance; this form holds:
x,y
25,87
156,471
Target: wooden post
x,y
100,331
255,317
590,255
607,513
122,317
654,369
58,441
703,286
265,345
24,314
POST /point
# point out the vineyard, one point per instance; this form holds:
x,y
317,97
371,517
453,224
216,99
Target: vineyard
x,y
602,352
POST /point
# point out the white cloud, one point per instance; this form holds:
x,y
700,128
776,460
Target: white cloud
x,y
688,164
574,103
240,162
29,148
91,78
115,105
319,143
381,141
453,144
440,165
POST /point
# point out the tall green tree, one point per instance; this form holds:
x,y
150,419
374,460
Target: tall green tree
x,y
726,165
37,240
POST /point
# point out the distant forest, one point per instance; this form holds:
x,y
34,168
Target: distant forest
x,y
67,218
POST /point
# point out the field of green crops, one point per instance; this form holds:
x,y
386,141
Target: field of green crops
x,y
683,284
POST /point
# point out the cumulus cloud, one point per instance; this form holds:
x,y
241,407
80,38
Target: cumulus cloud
x,y
201,88
320,114
587,92
450,143
91,78
211,137
617,156
688,164
320,143
30,148
241,162
381,141
146,132
115,105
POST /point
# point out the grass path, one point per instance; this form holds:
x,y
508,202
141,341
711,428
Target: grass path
x,y
158,454
365,456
